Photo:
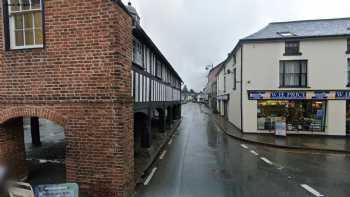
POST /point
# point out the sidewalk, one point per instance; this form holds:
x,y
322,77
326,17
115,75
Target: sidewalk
x,y
302,142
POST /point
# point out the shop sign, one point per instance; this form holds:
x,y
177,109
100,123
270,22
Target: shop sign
x,y
223,97
288,95
61,190
342,95
300,95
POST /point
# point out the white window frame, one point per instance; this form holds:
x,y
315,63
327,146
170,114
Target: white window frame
x,y
11,17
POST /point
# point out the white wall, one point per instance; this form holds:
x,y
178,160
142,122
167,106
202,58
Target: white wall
x,y
327,69
234,104
220,90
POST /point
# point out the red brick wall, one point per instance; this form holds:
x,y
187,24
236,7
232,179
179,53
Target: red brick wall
x,y
82,81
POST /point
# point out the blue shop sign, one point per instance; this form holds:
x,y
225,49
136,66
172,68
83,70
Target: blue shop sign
x,y
256,95
342,95
288,95
320,95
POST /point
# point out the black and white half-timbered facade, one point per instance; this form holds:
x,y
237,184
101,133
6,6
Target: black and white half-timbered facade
x,y
156,88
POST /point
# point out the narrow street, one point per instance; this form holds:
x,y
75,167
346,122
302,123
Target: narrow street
x,y
202,161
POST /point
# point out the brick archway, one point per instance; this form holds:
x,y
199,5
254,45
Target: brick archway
x,y
15,112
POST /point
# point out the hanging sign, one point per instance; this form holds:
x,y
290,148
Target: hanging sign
x,y
61,190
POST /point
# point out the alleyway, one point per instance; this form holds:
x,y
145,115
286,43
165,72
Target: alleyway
x,y
202,161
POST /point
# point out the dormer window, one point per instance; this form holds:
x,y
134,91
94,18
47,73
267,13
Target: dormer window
x,y
24,24
292,48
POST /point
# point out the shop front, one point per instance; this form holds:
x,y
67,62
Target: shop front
x,y
301,111
299,115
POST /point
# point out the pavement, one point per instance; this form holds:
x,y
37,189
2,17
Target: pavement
x,y
201,160
303,142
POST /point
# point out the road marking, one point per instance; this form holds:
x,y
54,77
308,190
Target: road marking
x,y
254,153
170,141
311,190
162,155
266,160
244,146
150,176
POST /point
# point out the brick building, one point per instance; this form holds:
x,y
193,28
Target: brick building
x,y
70,62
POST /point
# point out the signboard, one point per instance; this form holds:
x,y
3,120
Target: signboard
x,y
299,95
223,97
281,129
61,190
342,95
288,95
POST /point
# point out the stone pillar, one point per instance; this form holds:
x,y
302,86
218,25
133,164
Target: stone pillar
x,y
35,131
146,137
169,117
12,149
162,122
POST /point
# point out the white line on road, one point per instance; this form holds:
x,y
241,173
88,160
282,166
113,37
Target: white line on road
x,y
266,160
162,155
254,153
244,146
150,176
170,141
311,190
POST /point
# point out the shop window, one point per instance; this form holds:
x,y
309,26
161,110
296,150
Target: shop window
x,y
293,73
298,115
292,48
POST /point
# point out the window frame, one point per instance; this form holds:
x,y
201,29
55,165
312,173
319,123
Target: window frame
x,y
283,73
288,51
9,26
234,78
348,46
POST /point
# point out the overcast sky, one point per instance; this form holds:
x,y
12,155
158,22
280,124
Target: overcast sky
x,y
194,33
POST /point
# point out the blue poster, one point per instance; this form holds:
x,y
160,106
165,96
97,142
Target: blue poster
x,y
61,190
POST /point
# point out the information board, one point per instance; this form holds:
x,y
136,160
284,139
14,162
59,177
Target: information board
x,y
281,129
61,190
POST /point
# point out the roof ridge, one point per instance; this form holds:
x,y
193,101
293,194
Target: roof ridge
x,y
311,20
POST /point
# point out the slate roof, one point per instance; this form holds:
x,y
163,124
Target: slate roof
x,y
303,29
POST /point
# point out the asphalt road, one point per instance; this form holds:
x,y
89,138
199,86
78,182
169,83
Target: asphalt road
x,y
202,161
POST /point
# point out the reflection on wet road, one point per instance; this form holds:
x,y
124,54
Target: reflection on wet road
x,y
203,161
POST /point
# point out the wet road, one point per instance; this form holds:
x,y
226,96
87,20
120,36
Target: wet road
x,y
202,161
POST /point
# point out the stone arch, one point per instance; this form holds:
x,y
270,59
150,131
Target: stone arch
x,y
41,112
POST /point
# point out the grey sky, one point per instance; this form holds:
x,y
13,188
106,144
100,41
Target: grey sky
x,y
195,33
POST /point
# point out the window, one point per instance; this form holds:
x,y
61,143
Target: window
x,y
292,48
348,48
299,115
25,24
137,52
234,78
293,73
224,83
